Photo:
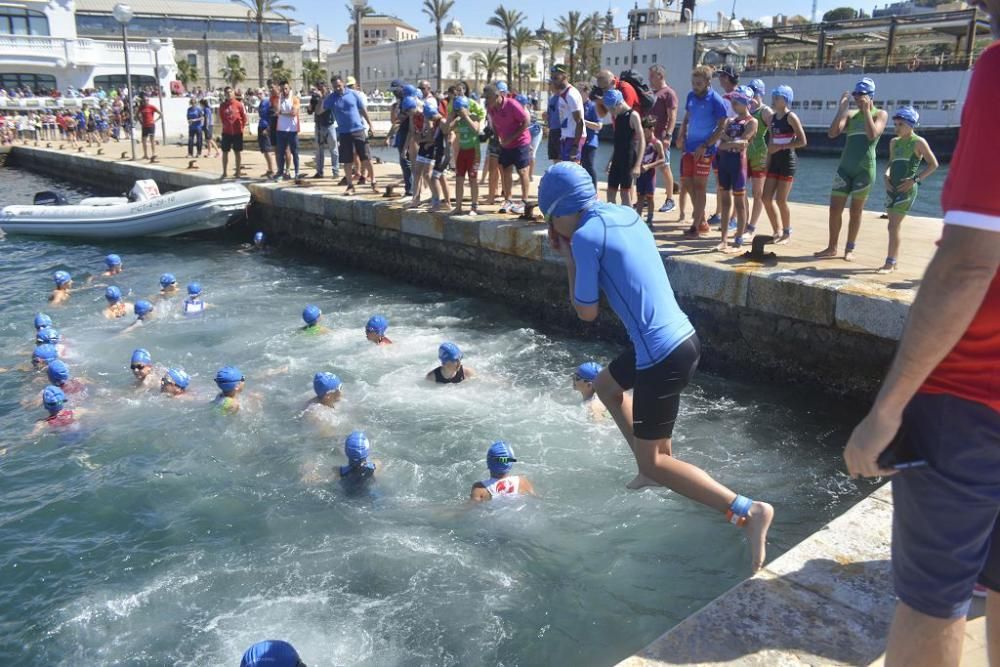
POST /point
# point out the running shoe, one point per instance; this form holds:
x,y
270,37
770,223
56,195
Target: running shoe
x,y
316,176
667,207
473,211
517,209
505,206
714,220
342,181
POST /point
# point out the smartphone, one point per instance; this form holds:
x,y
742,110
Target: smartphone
x,y
900,454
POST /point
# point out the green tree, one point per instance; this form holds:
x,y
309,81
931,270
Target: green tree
x,y
313,73
523,37
257,12
234,73
186,72
554,42
573,24
278,70
840,14
437,11
491,61
508,20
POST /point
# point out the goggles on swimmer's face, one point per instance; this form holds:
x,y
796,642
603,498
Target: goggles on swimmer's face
x,y
502,459
137,367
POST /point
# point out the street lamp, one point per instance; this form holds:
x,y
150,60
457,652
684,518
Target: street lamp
x,y
359,6
540,36
155,45
123,14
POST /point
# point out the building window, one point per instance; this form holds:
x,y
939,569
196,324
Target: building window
x,y
948,105
635,60
644,59
616,60
192,59
654,57
816,105
832,104
454,65
40,84
17,21
608,61
114,81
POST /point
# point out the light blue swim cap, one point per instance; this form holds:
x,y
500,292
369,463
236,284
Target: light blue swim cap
x,y
501,87
522,99
47,335
271,653
113,294
378,324
142,308
61,278
228,378
53,398
431,110
42,320
408,103
565,189
324,383
258,238
167,279
58,372
311,314
179,377
500,458
409,90
141,356
588,370
908,115
785,92
612,98
45,352
460,102
113,260
357,447
194,289
865,86
757,86
449,352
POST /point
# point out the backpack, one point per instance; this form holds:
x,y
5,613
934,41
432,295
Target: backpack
x,y
646,97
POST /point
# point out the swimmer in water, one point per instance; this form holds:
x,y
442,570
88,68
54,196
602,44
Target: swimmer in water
x,y
174,383
359,469
230,381
114,264
54,402
43,355
375,330
328,388
257,245
143,310
142,368
193,304
59,376
312,316
168,285
258,240
64,285
42,320
117,306
583,382
451,370
500,461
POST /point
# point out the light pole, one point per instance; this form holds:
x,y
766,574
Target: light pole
x,y
359,6
123,14
155,45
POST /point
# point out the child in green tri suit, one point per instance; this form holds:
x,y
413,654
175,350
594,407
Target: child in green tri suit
x,y
230,381
856,171
757,154
312,315
903,176
465,121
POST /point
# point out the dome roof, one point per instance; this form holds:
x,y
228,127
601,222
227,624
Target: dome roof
x,y
454,28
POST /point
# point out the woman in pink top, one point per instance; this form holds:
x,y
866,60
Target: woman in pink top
x,y
510,121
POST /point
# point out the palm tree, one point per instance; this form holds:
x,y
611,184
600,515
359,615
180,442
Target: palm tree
x,y
523,37
572,24
234,73
508,21
437,11
356,14
491,61
313,72
186,72
553,42
278,70
257,12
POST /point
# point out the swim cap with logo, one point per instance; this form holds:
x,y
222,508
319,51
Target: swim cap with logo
x,y
179,377
141,356
357,447
378,323
228,378
865,86
61,278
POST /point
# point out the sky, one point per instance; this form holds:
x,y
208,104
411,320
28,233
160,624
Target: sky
x,y
472,14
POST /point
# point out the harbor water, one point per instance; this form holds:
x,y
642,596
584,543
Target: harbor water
x,y
164,533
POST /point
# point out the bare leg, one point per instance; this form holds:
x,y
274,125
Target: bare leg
x,y
493,166
507,183
612,194
740,202
685,192
725,199
784,188
225,163
445,194
699,186
895,221
474,189
525,178
854,225
837,203
239,161
626,195
758,203
459,187
918,640
668,179
993,627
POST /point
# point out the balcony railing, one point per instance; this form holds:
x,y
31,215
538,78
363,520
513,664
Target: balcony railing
x,y
60,52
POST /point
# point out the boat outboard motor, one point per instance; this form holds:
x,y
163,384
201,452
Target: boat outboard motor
x,y
144,190
50,198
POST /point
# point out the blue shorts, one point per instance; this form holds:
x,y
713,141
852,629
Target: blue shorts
x,y
571,149
519,156
945,531
732,172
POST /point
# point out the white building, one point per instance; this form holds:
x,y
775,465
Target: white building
x,y
676,54
40,50
414,59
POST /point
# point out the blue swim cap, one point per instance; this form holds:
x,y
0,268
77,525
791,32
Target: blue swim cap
x,y
113,294
784,91
258,237
141,356
378,324
42,320
167,279
47,335
757,86
194,289
865,87
612,98
61,278
908,115
324,383
500,458
45,352
58,372
311,314
357,447
409,90
113,260
460,102
179,377
565,189
431,110
271,653
588,370
228,378
522,100
741,95
53,398
142,308
449,352
501,87
408,103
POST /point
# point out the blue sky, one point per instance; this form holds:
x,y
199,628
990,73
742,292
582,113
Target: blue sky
x,y
473,14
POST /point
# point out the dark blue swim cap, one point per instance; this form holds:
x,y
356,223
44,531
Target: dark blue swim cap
x,y
565,188
271,653
460,102
167,279
409,90
42,320
324,383
47,335
228,378
142,308
53,398
258,238
113,294
588,370
61,278
449,352
357,447
311,314
141,356
58,372
45,352
500,458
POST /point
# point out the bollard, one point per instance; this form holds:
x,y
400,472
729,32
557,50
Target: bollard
x,y
192,164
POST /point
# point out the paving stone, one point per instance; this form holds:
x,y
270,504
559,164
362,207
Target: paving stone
x,y
423,223
691,277
462,229
873,309
797,296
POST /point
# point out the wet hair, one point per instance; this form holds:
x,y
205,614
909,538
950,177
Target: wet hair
x,y
648,122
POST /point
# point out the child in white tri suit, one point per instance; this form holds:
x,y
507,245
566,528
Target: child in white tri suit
x,y
193,305
500,460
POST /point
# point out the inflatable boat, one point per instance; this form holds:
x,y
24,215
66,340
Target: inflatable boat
x,y
144,212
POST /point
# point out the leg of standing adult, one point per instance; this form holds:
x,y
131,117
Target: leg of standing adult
x,y
587,161
507,182
225,162
293,147
191,134
668,185
699,188
404,165
854,225
281,151
320,134
493,165
525,178
331,144
837,204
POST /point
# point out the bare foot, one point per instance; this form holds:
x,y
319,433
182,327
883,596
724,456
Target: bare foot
x,y
887,268
758,521
724,248
457,211
640,481
849,256
782,239
826,252
681,219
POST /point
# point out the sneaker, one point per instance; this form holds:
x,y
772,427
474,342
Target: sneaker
x,y
316,176
342,181
667,207
361,181
517,209
505,206
732,224
714,220
474,211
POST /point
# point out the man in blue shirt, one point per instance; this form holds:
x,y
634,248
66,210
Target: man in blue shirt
x,y
609,249
552,122
195,116
348,110
704,122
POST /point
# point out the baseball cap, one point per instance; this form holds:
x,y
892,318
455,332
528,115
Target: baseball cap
x,y
729,71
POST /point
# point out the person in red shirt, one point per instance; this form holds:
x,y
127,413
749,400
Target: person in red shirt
x,y
939,407
234,120
147,118
606,81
